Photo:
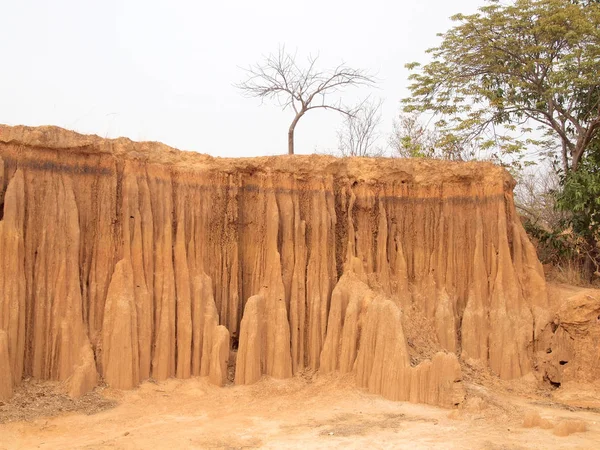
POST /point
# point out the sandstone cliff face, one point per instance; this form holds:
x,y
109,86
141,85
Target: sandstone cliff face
x,y
6,381
135,260
569,346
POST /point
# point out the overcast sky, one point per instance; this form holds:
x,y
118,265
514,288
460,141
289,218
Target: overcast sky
x,y
164,70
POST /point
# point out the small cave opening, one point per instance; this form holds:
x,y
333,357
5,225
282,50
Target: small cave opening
x,y
548,350
562,363
553,384
231,362
553,327
234,342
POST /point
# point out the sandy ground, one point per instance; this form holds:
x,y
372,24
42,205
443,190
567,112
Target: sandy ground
x,y
303,412
326,412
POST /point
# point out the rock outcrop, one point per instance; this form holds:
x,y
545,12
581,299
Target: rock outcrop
x,y
120,345
569,346
136,260
6,381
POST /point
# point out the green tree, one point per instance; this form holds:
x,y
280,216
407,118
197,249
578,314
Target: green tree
x,y
411,138
516,76
580,196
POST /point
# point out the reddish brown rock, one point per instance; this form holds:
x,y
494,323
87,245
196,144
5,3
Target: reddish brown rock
x,y
120,350
304,259
6,379
569,348
383,364
219,356
250,362
12,274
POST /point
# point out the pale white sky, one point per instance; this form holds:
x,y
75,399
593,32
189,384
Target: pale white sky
x,y
164,70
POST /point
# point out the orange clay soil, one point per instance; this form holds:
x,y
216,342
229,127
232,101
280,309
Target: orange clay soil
x,y
300,413
122,262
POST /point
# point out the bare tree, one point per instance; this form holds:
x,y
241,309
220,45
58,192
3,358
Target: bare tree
x,y
359,133
301,88
535,198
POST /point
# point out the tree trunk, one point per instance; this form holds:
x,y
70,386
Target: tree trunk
x,y
291,131
577,153
291,141
588,268
565,157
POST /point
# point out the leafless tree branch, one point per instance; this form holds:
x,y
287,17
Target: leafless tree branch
x,y
279,78
359,133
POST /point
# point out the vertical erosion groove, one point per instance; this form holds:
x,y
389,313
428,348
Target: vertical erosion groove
x,y
2,188
140,261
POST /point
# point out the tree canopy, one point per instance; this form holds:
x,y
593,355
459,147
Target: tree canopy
x,y
516,76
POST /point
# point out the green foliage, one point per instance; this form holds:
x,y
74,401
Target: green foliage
x,y
518,78
580,196
511,67
553,246
412,139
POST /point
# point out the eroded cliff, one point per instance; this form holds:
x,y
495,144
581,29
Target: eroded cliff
x,y
135,260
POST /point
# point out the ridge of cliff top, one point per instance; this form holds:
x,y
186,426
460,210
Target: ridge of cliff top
x,y
423,171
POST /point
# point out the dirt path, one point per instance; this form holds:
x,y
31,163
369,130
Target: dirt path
x,y
297,413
